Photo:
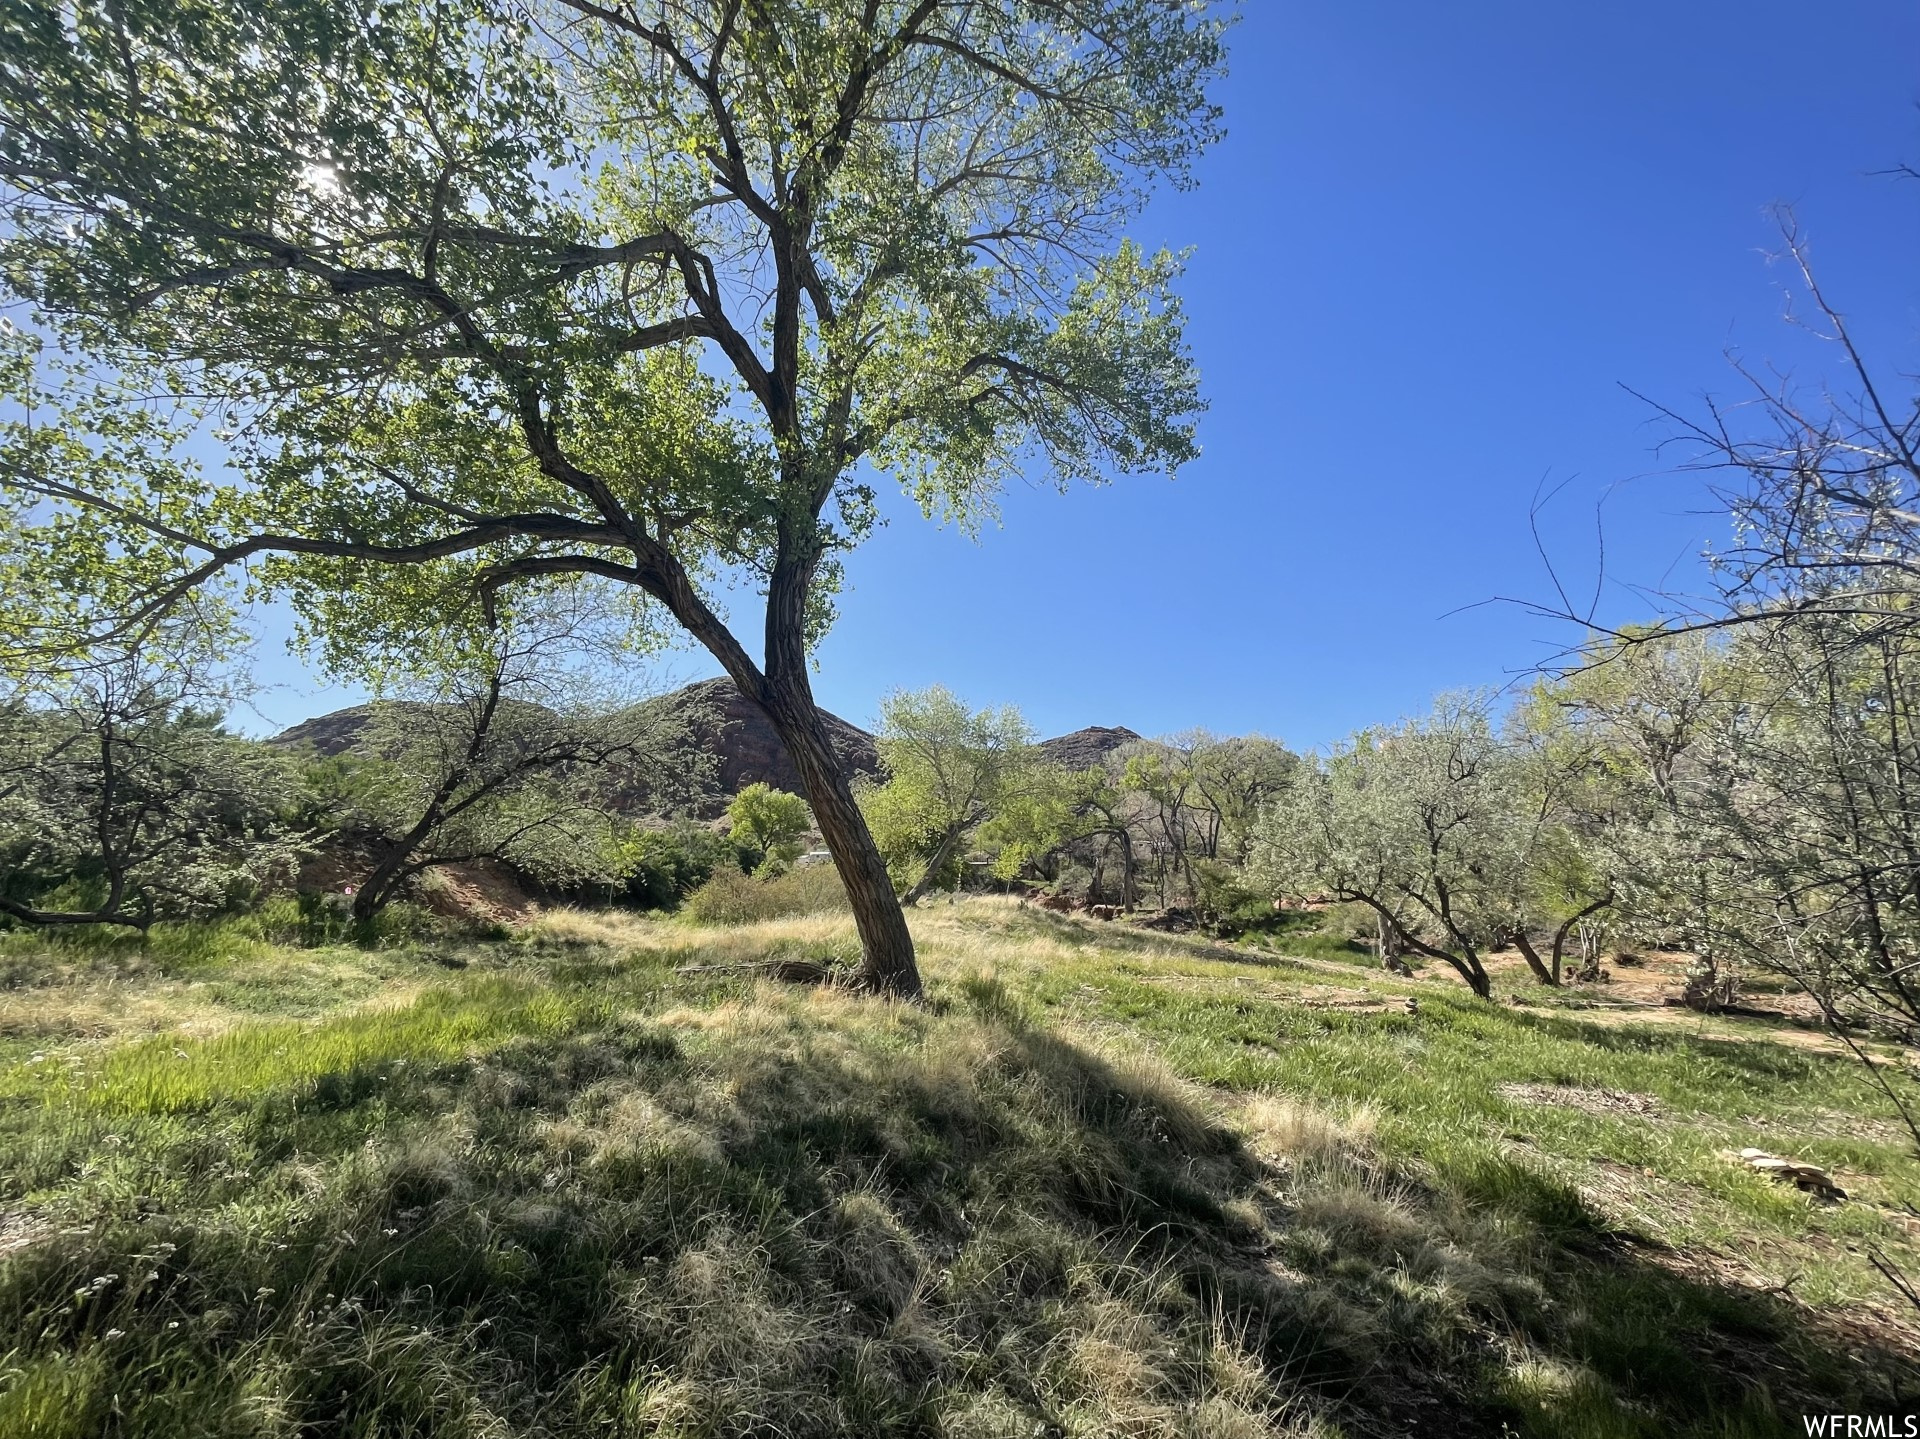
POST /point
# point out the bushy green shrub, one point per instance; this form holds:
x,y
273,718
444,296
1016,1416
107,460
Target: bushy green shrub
x,y
669,864
731,897
281,919
1223,897
319,919
128,802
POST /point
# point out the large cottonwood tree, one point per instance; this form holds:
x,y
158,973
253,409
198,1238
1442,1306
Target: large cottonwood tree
x,y
646,293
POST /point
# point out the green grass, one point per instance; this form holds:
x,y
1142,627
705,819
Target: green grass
x,y
330,1063
1104,1183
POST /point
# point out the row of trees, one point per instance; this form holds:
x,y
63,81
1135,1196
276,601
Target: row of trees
x,y
1740,781
1570,824
1170,819
1746,794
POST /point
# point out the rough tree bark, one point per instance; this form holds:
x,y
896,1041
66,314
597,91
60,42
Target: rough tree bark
x,y
383,881
1386,943
885,943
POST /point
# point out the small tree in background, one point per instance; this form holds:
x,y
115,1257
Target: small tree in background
x,y
1055,807
124,800
949,771
1160,776
1194,798
767,823
495,744
1235,778
1630,732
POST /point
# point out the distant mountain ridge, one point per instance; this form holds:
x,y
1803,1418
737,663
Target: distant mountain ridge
x,y
1085,748
742,743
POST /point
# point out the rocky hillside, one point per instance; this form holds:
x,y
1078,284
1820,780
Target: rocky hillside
x,y
741,743
1085,748
335,733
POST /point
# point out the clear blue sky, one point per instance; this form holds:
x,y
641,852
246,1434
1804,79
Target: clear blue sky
x,y
1435,243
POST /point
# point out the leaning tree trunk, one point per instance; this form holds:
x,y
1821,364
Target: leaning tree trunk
x,y
390,871
1466,963
886,945
1547,976
931,874
382,882
783,695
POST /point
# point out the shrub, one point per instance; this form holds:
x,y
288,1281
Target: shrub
x,y
669,864
1226,901
730,897
328,919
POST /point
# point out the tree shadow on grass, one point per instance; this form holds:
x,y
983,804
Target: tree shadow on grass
x,y
812,1215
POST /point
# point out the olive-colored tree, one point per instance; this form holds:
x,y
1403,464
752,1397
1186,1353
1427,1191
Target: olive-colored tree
x,y
124,800
1629,731
1433,824
642,293
1804,809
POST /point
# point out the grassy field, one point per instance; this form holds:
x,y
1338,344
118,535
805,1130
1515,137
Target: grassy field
x,y
602,1178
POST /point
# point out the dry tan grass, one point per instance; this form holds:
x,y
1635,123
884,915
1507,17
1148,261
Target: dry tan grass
x,y
105,1010
1282,1127
617,929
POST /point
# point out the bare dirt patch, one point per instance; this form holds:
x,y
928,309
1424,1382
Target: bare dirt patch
x,y
1593,1101
481,891
1351,1001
